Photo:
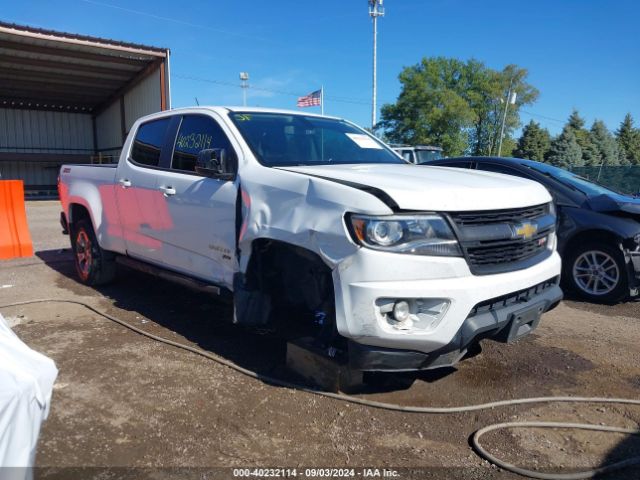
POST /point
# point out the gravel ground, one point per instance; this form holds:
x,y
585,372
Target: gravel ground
x,y
122,400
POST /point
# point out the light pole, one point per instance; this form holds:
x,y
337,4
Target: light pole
x,y
375,10
511,100
244,77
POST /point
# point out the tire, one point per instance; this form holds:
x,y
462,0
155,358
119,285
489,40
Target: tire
x,y
94,265
597,272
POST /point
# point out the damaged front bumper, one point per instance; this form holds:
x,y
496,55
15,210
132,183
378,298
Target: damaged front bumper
x,y
503,319
370,281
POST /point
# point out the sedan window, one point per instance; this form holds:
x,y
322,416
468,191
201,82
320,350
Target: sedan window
x,y
454,164
504,169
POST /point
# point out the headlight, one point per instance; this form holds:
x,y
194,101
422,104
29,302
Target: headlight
x,y
426,234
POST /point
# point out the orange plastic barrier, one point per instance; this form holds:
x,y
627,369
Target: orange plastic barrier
x,y
15,239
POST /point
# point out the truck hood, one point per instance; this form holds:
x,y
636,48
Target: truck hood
x,y
414,187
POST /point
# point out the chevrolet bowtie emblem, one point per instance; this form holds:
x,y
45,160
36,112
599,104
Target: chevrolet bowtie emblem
x,y
525,230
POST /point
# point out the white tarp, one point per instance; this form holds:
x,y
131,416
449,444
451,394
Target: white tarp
x,y
26,383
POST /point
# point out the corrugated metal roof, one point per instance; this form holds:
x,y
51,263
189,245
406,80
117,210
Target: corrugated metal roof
x,y
62,71
105,42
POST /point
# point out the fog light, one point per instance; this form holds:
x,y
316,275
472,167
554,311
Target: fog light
x,y
401,311
418,315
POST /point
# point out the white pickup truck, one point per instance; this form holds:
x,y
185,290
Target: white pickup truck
x,y
313,226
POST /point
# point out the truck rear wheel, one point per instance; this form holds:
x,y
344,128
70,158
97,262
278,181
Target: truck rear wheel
x,y
94,265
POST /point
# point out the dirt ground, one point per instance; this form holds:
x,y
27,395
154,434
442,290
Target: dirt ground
x,y
123,400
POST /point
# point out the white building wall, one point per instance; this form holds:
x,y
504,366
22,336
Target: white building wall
x,y
109,130
40,173
36,131
52,133
143,99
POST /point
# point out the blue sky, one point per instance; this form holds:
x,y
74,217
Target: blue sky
x,y
581,54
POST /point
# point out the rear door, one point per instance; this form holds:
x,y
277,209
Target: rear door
x,y
201,240
142,208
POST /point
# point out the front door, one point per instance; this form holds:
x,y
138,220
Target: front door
x,y
201,210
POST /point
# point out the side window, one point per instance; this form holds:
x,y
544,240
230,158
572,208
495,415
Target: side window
x,y
196,133
493,167
148,142
406,154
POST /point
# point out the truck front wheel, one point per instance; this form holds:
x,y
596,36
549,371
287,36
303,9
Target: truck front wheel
x,y
94,265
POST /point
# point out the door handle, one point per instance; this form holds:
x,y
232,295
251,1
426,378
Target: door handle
x,y
124,182
168,191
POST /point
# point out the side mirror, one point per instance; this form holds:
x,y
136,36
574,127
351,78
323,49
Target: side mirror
x,y
215,163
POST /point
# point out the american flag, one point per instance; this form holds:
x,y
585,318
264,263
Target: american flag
x,y
313,99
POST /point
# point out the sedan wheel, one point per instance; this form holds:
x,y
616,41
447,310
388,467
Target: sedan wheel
x,y
596,273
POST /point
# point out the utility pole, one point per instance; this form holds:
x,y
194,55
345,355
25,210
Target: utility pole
x,y
244,77
511,99
375,10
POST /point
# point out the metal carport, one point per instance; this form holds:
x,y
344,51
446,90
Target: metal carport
x,y
67,98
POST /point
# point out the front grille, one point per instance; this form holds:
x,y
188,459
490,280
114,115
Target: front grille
x,y
508,251
491,255
514,215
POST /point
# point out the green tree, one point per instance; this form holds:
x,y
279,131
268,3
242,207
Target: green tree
x,y
509,146
498,88
604,143
623,159
590,154
430,108
576,122
534,143
565,151
456,105
628,139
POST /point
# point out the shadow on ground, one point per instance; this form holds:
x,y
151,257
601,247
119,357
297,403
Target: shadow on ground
x,y
625,450
206,321
157,306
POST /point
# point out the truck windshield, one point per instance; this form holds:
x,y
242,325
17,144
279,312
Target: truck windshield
x,y
279,139
426,156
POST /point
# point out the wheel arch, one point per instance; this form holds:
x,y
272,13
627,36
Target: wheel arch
x,y
593,235
79,211
270,244
272,269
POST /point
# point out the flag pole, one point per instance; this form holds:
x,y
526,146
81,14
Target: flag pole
x,y
322,131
